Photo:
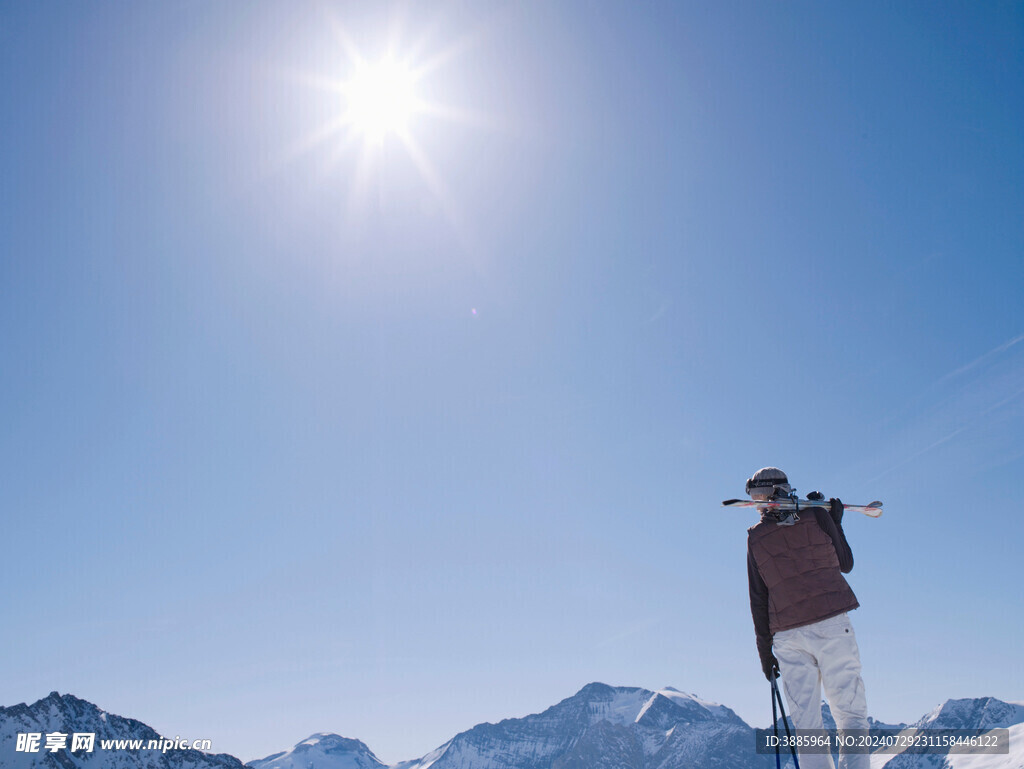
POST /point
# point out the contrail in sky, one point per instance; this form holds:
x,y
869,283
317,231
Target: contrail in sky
x,y
946,405
978,361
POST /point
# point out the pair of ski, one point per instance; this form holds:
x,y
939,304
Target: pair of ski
x,y
873,509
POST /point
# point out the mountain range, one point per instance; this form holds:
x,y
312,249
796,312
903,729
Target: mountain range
x,y
599,727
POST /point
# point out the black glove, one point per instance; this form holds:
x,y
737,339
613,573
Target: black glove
x,y
815,496
770,667
835,509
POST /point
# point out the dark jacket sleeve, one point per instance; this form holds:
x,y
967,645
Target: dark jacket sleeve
x,y
838,537
759,608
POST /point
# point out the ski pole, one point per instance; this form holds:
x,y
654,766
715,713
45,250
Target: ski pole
x,y
785,723
775,728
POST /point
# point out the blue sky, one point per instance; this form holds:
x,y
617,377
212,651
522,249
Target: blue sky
x,y
304,436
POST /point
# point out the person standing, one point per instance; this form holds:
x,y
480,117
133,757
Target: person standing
x,y
799,601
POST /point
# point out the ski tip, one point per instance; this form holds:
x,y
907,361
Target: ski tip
x,y
874,510
727,502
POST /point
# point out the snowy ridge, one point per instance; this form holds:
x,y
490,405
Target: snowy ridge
x,y
713,708
604,726
67,714
427,761
600,727
979,713
1014,760
622,708
324,751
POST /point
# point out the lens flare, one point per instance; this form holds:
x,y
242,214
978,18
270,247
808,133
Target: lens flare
x,y
381,99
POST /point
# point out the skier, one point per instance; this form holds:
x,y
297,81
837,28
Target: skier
x,y
799,601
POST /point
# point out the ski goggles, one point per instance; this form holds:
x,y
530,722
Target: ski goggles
x,y
768,484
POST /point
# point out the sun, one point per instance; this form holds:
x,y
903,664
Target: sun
x,y
381,99
382,110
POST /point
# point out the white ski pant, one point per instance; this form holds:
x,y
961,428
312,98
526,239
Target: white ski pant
x,y
823,654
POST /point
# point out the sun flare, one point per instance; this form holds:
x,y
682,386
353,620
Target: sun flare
x,y
381,99
374,114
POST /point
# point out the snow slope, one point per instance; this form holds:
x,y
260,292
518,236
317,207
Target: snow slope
x,y
1015,760
67,714
323,751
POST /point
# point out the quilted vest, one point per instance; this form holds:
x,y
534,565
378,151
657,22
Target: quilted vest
x,y
800,567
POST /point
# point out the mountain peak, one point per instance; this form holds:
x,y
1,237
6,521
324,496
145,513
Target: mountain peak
x,y
595,689
974,713
66,713
603,727
323,750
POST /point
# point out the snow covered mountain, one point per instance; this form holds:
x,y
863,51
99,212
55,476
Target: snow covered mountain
x,y
67,715
325,751
979,713
600,727
605,727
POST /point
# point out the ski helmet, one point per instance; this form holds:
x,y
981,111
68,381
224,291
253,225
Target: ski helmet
x,y
769,478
